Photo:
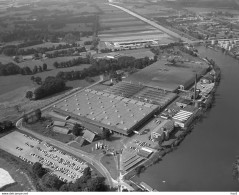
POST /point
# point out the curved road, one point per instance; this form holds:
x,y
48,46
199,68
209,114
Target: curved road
x,y
152,23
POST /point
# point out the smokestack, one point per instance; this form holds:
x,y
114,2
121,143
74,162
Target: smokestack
x,y
195,87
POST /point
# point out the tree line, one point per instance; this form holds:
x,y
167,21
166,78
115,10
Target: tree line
x,y
103,66
70,63
13,69
66,52
13,50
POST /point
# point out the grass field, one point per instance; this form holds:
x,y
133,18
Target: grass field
x,y
15,82
109,162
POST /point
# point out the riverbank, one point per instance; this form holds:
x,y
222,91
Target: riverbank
x,y
173,145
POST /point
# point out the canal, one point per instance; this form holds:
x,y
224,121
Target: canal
x,y
203,161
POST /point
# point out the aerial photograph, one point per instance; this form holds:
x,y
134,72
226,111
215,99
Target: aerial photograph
x,y
119,96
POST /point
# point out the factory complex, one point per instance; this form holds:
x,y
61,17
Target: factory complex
x,y
104,110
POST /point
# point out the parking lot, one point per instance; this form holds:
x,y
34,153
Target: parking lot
x,y
66,167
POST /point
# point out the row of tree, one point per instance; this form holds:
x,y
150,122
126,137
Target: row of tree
x,y
13,69
65,52
70,63
13,50
104,66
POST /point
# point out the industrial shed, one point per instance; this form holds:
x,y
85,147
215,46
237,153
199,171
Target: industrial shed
x,y
61,130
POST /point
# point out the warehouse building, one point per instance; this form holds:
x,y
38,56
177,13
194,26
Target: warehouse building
x,y
104,110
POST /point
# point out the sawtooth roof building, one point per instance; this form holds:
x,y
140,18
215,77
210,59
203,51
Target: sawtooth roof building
x,y
116,113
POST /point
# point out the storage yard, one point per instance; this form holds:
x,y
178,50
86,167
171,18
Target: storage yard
x,y
66,167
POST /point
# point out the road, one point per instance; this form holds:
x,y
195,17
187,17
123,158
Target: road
x,y
154,24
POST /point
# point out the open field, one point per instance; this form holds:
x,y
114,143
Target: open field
x,y
15,82
15,85
127,29
31,150
123,23
5,59
75,27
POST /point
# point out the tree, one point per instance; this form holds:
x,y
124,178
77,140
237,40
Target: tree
x,y
38,114
44,67
33,78
87,172
52,182
38,170
77,129
105,134
38,80
34,71
56,64
29,94
40,69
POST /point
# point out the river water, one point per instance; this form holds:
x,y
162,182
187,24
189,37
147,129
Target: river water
x,y
203,161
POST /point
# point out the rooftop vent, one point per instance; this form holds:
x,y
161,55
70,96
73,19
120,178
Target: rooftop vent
x,y
119,116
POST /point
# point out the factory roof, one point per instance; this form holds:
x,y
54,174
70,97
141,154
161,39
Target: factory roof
x,y
164,125
61,130
89,136
107,109
59,123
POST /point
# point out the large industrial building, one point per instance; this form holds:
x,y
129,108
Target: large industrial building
x,y
166,76
99,110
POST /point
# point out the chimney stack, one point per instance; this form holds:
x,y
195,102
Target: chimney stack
x,y
195,87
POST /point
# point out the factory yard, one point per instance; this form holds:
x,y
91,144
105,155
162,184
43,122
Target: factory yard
x,y
66,167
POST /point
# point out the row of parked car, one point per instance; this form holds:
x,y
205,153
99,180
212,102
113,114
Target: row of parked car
x,y
31,138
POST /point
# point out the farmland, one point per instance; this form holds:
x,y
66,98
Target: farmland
x,y
118,26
